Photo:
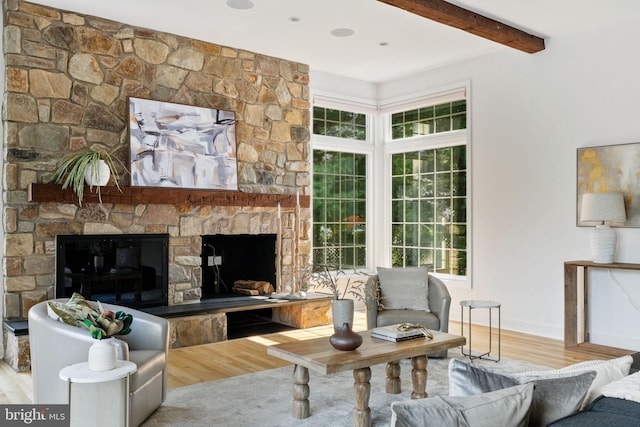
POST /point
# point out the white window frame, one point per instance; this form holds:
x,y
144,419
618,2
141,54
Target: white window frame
x,y
347,145
379,147
427,142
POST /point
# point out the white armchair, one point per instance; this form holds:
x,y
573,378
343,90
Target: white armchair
x,y
55,345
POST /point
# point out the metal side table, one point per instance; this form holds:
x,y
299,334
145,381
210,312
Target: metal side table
x,y
472,305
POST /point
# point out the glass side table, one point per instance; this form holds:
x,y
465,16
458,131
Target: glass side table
x,y
476,304
98,405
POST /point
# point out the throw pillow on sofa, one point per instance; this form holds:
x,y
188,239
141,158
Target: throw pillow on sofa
x,y
506,407
606,372
554,396
627,388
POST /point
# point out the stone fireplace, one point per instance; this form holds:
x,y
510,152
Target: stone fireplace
x,y
68,80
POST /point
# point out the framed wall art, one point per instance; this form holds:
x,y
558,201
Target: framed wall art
x,y
182,146
611,168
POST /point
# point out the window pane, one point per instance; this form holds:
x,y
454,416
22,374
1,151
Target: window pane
x,y
397,211
459,106
411,211
332,114
427,210
397,257
443,184
397,132
397,188
443,124
426,113
426,185
459,184
411,188
459,122
459,157
443,109
412,257
319,185
443,159
319,127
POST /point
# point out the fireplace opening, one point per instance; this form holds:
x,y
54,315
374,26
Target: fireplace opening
x,y
124,269
227,259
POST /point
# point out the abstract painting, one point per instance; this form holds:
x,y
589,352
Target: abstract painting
x,y
181,146
611,168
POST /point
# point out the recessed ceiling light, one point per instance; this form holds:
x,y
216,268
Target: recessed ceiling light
x,y
294,19
240,4
342,32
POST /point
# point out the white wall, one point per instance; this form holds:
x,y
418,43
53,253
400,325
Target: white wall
x,y
529,115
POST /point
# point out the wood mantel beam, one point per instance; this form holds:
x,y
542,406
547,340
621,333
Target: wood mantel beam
x,y
164,196
471,22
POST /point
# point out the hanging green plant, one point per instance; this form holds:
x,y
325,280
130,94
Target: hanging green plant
x,y
87,166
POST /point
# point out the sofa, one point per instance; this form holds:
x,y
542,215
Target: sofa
x,y
593,393
55,345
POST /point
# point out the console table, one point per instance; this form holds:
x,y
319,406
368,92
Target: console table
x,y
576,297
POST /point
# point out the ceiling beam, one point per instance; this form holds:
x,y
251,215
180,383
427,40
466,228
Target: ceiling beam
x,y
471,22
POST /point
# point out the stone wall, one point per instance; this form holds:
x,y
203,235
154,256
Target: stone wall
x,y
68,77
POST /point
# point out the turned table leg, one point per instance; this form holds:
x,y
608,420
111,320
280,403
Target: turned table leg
x,y
362,387
419,377
300,405
393,378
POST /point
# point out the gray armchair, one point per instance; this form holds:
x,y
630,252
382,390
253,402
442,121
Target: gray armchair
x,y
437,319
55,345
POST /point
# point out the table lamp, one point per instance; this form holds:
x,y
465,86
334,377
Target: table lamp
x,y
602,207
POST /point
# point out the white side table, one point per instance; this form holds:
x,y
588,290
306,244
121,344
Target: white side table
x,y
97,405
475,304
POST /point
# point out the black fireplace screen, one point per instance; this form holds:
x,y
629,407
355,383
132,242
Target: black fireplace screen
x,y
124,269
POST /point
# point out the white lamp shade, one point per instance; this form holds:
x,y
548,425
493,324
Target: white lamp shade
x,y
602,207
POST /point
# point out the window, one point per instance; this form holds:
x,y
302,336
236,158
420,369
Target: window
x,y
418,151
428,120
429,190
429,209
339,189
339,209
338,123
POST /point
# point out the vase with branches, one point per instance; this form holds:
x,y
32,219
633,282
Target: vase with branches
x,y
344,289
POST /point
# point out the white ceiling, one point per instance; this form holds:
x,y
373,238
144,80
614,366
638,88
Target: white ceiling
x,y
414,44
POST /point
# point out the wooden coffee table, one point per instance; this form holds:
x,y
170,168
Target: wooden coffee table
x,y
318,354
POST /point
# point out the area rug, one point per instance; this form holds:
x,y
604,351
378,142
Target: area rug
x,y
264,398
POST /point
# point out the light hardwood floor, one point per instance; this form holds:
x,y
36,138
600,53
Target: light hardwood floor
x,y
207,362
